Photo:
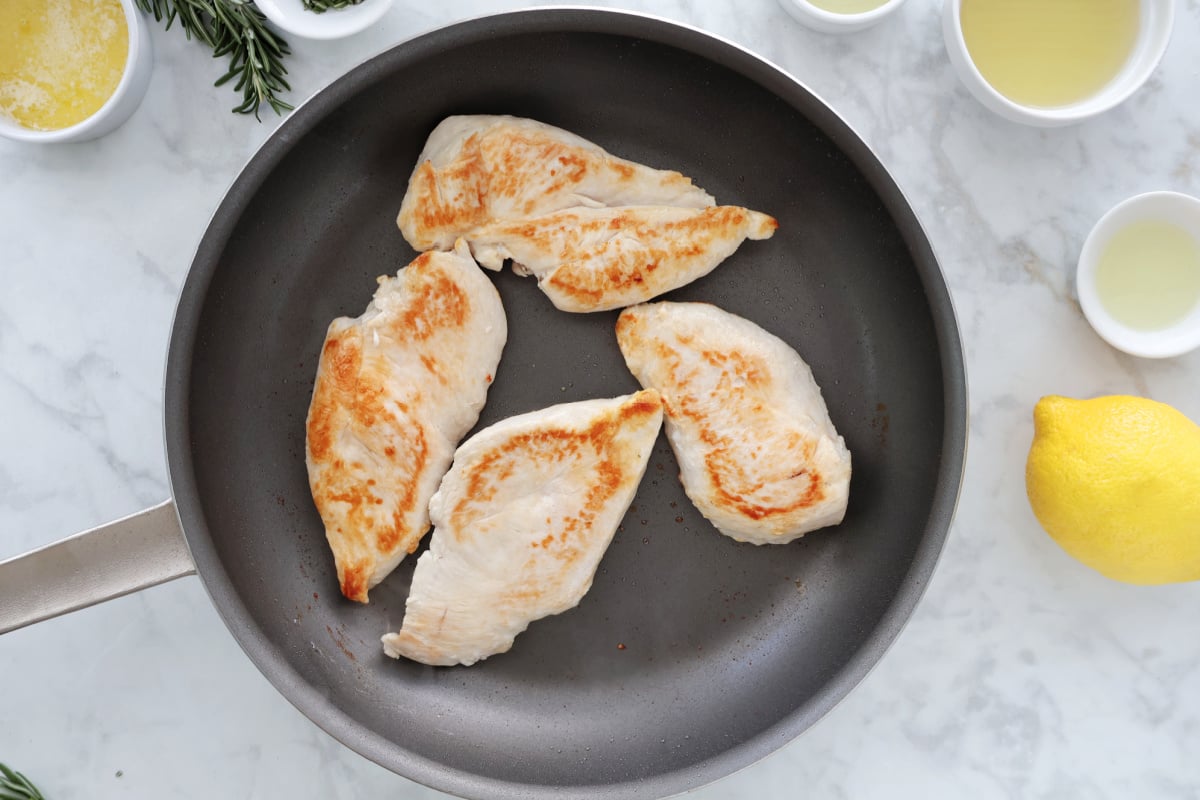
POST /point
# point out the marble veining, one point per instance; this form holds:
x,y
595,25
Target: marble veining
x,y
1021,675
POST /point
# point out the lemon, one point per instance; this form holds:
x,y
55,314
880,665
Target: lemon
x,y
1116,482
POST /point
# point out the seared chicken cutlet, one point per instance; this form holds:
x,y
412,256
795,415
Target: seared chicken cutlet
x,y
476,170
599,232
396,389
588,259
757,452
521,522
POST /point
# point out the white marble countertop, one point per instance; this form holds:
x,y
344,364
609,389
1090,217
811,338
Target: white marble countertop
x,y
1021,674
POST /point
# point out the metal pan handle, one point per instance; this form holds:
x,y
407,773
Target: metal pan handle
x,y
132,553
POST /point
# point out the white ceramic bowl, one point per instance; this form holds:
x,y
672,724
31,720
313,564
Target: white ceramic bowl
x,y
1157,19
291,17
819,19
125,98
1179,209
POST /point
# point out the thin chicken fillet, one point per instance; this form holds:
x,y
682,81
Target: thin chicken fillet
x,y
477,170
521,522
589,259
757,452
396,389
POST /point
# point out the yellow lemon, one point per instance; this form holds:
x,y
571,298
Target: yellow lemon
x,y
1116,482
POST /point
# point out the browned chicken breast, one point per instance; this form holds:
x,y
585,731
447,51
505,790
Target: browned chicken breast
x,y
521,522
588,259
599,232
477,170
396,389
757,452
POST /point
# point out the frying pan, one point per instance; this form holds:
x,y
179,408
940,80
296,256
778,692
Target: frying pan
x,y
692,655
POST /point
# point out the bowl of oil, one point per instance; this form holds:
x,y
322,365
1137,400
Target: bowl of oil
x,y
70,70
839,16
1138,277
1055,62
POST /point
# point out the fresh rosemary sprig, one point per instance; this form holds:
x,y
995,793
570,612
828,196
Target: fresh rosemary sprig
x,y
234,28
321,6
15,786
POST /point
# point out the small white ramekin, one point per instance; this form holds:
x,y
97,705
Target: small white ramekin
x,y
291,17
819,19
1178,209
1157,20
124,100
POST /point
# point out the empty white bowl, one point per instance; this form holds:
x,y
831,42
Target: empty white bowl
x,y
1157,20
124,100
291,17
1178,209
819,19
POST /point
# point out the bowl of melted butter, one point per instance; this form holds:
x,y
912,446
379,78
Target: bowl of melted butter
x,y
1055,62
70,70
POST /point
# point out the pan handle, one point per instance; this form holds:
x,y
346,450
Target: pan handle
x,y
132,553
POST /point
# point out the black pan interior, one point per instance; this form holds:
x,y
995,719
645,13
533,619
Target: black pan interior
x,y
692,655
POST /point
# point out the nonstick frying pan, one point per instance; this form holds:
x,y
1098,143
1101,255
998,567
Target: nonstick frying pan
x,y
692,655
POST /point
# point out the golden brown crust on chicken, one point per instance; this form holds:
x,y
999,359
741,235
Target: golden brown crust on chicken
x,y
476,170
522,520
589,259
395,390
758,454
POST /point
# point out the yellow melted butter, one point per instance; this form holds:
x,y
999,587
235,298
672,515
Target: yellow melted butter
x,y
60,60
1049,53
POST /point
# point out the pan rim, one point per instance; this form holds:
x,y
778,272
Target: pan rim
x,y
314,704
